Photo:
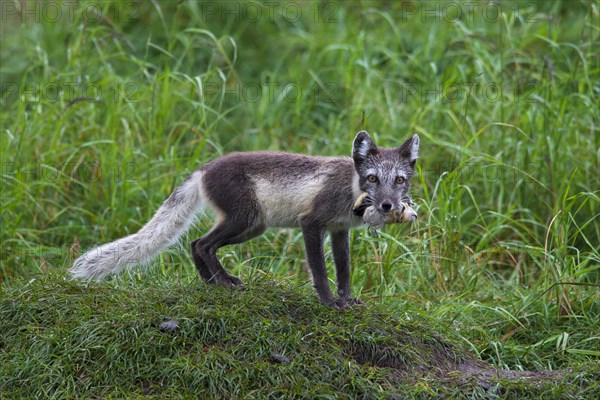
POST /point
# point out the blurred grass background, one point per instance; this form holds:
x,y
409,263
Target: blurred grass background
x,y
107,106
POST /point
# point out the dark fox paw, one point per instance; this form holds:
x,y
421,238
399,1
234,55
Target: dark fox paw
x,y
338,304
343,303
356,301
352,301
235,282
227,280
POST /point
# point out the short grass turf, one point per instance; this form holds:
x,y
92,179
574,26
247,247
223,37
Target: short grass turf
x,y
269,340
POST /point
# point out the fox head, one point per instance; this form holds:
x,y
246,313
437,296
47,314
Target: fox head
x,y
384,173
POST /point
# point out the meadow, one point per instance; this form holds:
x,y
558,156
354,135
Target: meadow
x,y
108,106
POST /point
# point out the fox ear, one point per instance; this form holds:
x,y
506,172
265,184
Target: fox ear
x,y
409,150
363,146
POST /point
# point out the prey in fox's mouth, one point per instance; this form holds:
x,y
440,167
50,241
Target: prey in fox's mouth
x,y
376,218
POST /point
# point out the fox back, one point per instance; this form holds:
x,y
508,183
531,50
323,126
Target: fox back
x,y
274,189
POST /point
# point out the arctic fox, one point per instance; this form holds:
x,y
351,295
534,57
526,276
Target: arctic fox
x,y
250,192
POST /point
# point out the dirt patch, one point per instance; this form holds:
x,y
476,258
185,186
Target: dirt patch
x,y
485,372
416,359
486,376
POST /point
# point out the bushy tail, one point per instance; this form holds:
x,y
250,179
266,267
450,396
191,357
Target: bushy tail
x,y
164,229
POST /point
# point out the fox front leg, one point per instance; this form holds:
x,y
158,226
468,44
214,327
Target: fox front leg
x,y
340,244
313,241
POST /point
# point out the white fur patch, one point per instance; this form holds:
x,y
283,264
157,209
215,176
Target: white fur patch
x,y
363,148
284,203
356,186
414,150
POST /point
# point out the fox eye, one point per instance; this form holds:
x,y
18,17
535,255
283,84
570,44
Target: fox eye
x,y
372,178
399,180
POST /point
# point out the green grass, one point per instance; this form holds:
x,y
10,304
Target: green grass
x,y
63,340
103,117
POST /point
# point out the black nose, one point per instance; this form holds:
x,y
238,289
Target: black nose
x,y
386,206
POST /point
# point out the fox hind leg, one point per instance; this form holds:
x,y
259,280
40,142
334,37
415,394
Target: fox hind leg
x,y
204,250
201,266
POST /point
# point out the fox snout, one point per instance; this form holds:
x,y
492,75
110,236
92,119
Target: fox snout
x,y
387,206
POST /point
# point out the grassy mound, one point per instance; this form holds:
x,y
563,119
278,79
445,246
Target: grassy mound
x,y
270,340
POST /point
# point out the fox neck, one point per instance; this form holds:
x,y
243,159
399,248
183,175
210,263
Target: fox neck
x,y
347,219
356,191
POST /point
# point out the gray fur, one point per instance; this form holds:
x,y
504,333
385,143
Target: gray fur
x,y
251,192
